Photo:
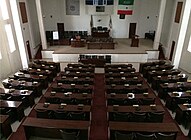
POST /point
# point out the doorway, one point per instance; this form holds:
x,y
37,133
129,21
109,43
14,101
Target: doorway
x,y
132,29
172,50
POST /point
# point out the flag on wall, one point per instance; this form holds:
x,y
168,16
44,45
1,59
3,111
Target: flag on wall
x,y
125,7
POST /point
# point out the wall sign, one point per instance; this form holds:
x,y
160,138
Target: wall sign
x,y
72,7
125,7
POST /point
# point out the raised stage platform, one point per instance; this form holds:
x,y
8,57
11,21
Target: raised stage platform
x,y
123,52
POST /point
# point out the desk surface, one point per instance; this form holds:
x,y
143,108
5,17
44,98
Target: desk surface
x,y
131,109
3,118
125,96
143,127
16,92
67,96
59,124
10,104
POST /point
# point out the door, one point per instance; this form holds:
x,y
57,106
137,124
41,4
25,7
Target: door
x,y
29,50
132,29
60,27
172,50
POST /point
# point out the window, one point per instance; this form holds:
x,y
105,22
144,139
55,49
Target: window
x,y
189,45
10,37
4,10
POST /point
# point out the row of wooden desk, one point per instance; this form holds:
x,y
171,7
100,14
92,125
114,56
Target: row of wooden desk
x,y
50,129
21,89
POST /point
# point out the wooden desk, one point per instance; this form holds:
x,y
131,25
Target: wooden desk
x,y
77,65
155,73
131,109
80,69
15,105
120,69
142,127
35,87
77,74
122,81
180,112
5,125
135,41
78,43
142,65
118,65
126,75
157,67
100,45
137,96
47,73
29,77
122,88
50,128
48,63
156,81
170,87
29,95
68,96
75,80
172,96
102,34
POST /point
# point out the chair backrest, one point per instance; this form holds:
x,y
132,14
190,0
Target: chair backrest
x,y
163,136
77,116
52,100
155,116
69,135
83,101
123,117
138,117
140,136
147,101
62,115
123,136
42,113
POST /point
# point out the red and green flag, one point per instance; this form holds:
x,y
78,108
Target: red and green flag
x,y
125,7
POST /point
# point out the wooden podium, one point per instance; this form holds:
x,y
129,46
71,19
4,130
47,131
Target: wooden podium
x,y
135,41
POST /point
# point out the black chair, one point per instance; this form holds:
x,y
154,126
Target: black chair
x,y
77,116
163,136
138,117
82,101
67,101
62,115
116,101
121,117
43,113
52,100
145,136
69,134
187,120
147,101
123,136
155,117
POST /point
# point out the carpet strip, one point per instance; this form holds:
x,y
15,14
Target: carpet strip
x,y
99,123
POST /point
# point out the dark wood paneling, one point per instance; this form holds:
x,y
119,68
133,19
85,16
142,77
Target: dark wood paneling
x,y
23,12
178,12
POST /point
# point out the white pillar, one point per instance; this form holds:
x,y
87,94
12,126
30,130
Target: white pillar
x,y
41,24
159,25
182,33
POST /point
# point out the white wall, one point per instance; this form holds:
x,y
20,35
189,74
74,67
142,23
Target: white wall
x,y
185,61
175,29
142,10
167,23
34,25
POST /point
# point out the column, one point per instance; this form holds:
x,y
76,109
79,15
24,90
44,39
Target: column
x,y
160,23
41,24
